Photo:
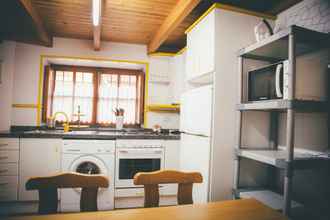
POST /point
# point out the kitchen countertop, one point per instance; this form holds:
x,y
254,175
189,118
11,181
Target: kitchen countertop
x,y
234,210
90,134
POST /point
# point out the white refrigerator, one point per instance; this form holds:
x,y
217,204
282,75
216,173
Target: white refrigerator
x,y
195,146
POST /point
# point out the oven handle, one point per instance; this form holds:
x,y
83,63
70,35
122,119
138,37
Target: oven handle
x,y
155,151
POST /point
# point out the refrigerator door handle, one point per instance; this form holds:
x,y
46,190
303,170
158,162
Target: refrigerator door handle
x,y
193,134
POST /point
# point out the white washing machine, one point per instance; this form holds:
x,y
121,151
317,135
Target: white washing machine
x,y
88,157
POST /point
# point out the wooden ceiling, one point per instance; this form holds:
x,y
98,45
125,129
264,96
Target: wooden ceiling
x,y
123,21
129,21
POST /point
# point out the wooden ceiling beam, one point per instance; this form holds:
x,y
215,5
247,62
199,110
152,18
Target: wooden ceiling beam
x,y
44,38
172,21
97,37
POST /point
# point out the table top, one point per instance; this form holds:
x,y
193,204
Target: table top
x,y
245,209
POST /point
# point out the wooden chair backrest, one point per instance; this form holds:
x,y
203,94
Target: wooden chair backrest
x,y
47,187
151,181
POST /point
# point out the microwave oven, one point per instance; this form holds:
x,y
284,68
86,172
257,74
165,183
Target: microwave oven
x,y
269,82
312,76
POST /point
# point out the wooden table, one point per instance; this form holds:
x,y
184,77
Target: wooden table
x,y
246,209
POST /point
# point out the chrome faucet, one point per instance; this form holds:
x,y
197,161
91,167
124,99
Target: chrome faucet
x,y
79,114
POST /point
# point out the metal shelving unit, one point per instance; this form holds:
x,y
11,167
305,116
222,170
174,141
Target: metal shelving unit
x,y
283,105
268,197
286,44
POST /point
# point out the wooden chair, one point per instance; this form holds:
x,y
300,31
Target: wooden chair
x,y
47,187
151,180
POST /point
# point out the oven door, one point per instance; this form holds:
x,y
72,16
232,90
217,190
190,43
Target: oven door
x,y
130,161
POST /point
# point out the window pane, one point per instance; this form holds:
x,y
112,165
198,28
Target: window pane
x,y
108,90
127,97
84,87
59,76
127,89
68,96
83,97
62,104
105,111
86,108
63,83
63,94
68,76
108,86
111,96
129,106
74,89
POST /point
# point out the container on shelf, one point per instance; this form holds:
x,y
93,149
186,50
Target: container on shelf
x,y
119,122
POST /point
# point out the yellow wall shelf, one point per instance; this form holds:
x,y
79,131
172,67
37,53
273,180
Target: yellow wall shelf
x,y
163,108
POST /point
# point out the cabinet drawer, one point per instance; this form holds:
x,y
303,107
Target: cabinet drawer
x,y
9,169
9,144
9,156
8,188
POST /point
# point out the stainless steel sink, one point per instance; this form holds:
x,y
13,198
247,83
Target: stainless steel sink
x,y
45,132
83,132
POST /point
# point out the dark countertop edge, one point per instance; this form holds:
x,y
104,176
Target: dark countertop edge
x,y
95,137
9,135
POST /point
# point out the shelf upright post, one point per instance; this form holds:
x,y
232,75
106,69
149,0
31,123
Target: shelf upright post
x,y
290,126
328,101
273,130
239,125
273,145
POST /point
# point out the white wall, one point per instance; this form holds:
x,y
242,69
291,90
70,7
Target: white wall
x,y
27,65
7,56
311,128
312,14
166,78
229,39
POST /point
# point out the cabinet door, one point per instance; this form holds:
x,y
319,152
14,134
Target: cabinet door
x,y
172,162
189,56
172,154
206,44
38,157
178,77
8,188
192,58
159,69
195,157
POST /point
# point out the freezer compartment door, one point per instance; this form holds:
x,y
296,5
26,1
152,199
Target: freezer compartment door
x,y
195,156
196,111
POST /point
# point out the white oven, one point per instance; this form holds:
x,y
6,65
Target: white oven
x,y
137,156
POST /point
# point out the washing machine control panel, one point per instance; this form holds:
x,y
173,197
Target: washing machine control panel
x,y
88,146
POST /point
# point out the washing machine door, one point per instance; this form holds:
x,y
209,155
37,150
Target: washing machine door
x,y
88,164
93,165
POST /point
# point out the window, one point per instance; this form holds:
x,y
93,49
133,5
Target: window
x,y
96,92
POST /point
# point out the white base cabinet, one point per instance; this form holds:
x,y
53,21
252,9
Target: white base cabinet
x,y
172,154
38,157
195,157
172,162
9,158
